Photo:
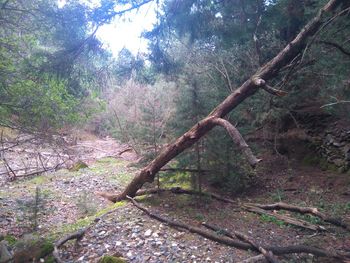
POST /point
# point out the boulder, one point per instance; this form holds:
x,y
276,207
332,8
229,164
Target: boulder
x,y
5,253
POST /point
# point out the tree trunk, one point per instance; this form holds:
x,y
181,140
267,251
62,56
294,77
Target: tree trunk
x,y
249,87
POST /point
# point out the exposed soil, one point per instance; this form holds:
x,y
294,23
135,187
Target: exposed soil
x,y
69,203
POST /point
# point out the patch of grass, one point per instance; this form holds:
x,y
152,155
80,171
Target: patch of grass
x,y
200,217
272,219
111,160
84,222
121,178
110,208
152,200
278,195
79,224
310,218
170,180
38,180
11,240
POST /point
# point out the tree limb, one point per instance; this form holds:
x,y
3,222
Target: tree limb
x,y
247,89
238,139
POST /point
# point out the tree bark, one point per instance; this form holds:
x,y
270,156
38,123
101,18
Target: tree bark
x,y
248,88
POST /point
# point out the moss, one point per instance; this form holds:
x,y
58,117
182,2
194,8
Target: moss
x,y
182,180
11,240
122,178
78,165
81,223
38,180
86,221
110,208
111,259
110,160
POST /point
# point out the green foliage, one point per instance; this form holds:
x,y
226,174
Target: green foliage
x,y
43,84
272,219
11,240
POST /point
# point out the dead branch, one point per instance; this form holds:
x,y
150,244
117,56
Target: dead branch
x,y
238,139
242,245
287,219
247,89
273,91
78,235
303,210
267,254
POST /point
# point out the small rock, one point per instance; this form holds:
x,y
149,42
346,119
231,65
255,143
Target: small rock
x,y
148,232
118,243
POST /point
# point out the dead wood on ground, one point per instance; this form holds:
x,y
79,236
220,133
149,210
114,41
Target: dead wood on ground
x,y
285,218
303,210
242,245
78,235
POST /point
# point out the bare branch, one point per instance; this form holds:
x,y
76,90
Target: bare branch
x,y
238,139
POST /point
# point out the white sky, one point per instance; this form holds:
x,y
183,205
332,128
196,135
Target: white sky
x,y
125,31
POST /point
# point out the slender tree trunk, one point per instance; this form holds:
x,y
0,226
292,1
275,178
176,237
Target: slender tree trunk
x,y
248,88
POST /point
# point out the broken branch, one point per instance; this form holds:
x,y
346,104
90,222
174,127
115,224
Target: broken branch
x,y
242,245
303,210
287,219
238,139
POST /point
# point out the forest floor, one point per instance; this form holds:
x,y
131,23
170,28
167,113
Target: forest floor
x,y
67,201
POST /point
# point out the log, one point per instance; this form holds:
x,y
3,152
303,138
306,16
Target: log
x,y
242,245
284,218
303,210
248,88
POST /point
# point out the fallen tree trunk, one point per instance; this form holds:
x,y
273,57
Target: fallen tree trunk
x,y
303,210
242,245
284,218
250,87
